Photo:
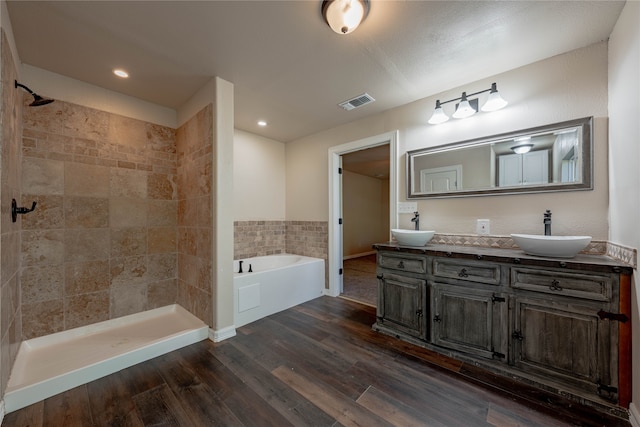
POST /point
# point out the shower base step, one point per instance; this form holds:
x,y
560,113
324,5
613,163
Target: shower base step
x,y
49,365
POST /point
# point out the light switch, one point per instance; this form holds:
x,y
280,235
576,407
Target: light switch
x,y
407,207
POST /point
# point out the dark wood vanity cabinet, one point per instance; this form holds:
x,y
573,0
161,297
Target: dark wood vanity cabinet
x,y
473,321
563,326
402,293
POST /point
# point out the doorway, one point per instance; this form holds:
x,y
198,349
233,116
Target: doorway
x,y
336,225
365,215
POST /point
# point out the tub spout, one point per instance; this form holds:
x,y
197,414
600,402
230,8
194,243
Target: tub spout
x,y
240,269
547,223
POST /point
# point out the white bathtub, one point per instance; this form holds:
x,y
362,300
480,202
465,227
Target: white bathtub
x,y
277,282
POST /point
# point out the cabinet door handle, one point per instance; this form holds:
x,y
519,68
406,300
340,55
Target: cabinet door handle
x,y
555,285
401,264
463,273
380,276
517,335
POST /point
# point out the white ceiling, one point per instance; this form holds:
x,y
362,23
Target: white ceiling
x,y
286,65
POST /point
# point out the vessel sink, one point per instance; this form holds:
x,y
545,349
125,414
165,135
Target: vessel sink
x,y
412,237
551,246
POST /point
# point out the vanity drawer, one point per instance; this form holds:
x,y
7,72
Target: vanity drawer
x,y
472,271
402,262
588,286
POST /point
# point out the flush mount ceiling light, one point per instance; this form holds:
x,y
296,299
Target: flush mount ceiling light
x,y
523,145
468,107
344,16
262,123
121,73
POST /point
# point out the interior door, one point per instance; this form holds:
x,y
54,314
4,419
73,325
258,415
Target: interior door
x,y
340,255
440,179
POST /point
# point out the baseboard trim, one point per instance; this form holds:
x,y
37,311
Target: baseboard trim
x,y
358,255
222,334
634,415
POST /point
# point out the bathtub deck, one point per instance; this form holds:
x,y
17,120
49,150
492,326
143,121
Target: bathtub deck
x,y
54,363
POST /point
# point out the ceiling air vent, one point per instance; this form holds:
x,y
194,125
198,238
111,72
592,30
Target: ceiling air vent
x,y
356,102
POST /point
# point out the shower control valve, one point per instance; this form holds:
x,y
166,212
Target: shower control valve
x,y
15,210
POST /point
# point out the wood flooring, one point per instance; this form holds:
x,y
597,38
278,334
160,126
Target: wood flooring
x,y
359,282
317,364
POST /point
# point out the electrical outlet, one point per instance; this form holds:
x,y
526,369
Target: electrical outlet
x,y
483,226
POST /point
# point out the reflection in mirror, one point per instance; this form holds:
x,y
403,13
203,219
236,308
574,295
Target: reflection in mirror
x,y
548,158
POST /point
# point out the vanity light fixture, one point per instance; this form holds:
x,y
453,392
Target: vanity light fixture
x,y
344,16
468,107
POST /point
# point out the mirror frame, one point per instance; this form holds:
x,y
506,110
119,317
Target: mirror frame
x,y
585,123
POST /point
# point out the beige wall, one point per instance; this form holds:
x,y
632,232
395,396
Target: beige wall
x,y
564,87
258,178
624,151
365,207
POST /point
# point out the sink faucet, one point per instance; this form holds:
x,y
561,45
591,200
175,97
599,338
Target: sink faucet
x,y
416,219
547,223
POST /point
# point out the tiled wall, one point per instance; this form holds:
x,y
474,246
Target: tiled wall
x,y
258,238
102,241
195,214
309,238
10,119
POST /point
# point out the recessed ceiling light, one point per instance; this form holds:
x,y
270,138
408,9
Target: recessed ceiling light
x,y
262,123
121,73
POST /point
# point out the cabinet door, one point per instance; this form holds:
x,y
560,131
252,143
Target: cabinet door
x,y
566,342
473,321
401,303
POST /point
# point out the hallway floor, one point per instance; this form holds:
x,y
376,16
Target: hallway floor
x,y
316,364
359,281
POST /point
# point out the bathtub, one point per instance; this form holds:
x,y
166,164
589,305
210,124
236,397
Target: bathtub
x,y
277,282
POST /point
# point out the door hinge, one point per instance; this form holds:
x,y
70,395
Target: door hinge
x,y
437,318
339,221
419,313
620,317
517,335
495,298
339,171
340,272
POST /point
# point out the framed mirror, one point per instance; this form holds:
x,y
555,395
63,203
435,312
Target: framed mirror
x,y
556,157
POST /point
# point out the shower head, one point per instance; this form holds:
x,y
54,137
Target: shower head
x,y
37,99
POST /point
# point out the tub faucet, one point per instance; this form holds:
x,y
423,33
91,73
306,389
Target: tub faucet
x,y
416,219
547,223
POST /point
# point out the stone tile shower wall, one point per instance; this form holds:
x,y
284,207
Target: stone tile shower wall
x,y
195,214
102,242
10,188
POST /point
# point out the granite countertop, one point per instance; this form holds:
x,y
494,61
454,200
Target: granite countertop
x,y
513,256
